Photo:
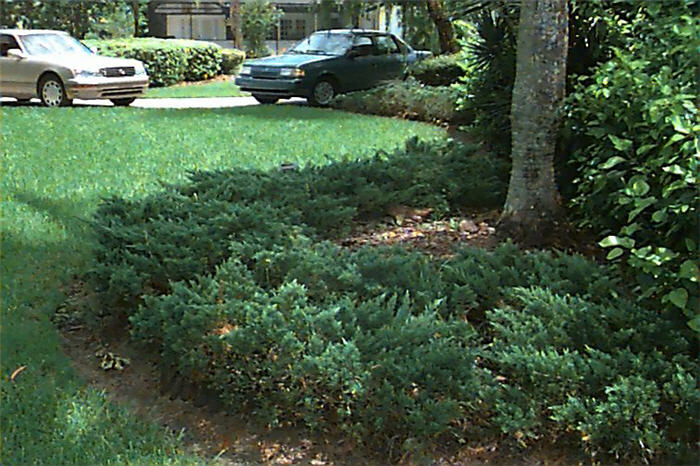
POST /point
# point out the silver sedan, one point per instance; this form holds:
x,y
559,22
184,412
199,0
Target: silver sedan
x,y
57,68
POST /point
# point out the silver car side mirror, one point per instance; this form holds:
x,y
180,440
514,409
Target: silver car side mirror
x,y
16,53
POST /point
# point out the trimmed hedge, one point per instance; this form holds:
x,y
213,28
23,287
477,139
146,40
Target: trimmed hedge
x,y
231,60
169,61
232,275
443,70
407,99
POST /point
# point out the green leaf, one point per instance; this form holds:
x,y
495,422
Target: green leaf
x,y
674,139
638,186
660,215
620,144
611,162
674,169
689,270
694,323
641,205
617,241
679,297
614,254
645,148
678,125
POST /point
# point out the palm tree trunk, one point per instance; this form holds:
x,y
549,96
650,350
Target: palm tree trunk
x,y
533,209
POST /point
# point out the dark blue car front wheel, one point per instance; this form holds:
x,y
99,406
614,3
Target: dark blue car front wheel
x,y
323,92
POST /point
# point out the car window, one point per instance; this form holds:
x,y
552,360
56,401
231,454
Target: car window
x,y
7,42
50,44
363,46
324,43
362,40
386,45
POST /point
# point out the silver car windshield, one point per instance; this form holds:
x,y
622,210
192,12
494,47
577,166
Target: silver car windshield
x,y
324,43
52,44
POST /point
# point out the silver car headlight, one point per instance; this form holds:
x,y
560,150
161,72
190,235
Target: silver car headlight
x,y
139,69
87,74
292,72
245,69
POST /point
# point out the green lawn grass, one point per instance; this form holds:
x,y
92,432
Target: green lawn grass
x,y
205,89
56,165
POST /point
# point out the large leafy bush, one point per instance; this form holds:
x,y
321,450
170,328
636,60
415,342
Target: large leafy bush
x,y
638,123
172,60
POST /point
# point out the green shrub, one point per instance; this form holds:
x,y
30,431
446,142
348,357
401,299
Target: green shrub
x,y
443,70
231,60
216,207
610,372
407,99
235,277
169,61
638,124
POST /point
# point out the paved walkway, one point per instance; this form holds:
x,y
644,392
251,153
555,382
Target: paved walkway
x,y
185,102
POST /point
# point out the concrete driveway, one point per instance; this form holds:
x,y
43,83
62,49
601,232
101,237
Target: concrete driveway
x,y
189,102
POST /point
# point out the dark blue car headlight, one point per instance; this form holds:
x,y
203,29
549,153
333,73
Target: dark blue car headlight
x,y
292,72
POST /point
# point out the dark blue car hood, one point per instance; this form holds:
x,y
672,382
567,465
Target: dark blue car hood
x,y
289,60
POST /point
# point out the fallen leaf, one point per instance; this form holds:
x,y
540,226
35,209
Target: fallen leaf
x,y
17,372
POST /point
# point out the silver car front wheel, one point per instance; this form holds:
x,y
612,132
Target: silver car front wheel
x,y
323,93
52,92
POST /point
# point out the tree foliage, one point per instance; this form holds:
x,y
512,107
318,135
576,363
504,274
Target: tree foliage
x,y
99,18
258,17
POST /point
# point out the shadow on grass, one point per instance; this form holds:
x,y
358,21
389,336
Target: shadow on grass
x,y
61,211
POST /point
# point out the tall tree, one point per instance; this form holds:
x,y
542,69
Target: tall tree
x,y
235,22
532,211
446,34
137,11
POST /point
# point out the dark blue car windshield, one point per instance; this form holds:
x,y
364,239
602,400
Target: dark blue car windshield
x,y
324,43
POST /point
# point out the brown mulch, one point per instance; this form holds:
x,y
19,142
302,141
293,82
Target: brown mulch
x,y
215,79
411,228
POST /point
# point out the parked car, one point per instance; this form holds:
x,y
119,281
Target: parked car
x,y
328,63
57,68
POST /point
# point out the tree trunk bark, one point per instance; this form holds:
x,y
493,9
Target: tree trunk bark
x,y
448,43
136,13
533,211
235,17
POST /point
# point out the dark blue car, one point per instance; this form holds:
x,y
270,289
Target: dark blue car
x,y
328,63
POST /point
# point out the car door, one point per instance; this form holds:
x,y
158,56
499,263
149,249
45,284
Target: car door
x,y
391,62
360,66
9,67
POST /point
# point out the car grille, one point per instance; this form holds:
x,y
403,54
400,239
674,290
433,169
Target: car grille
x,y
121,91
269,72
118,72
